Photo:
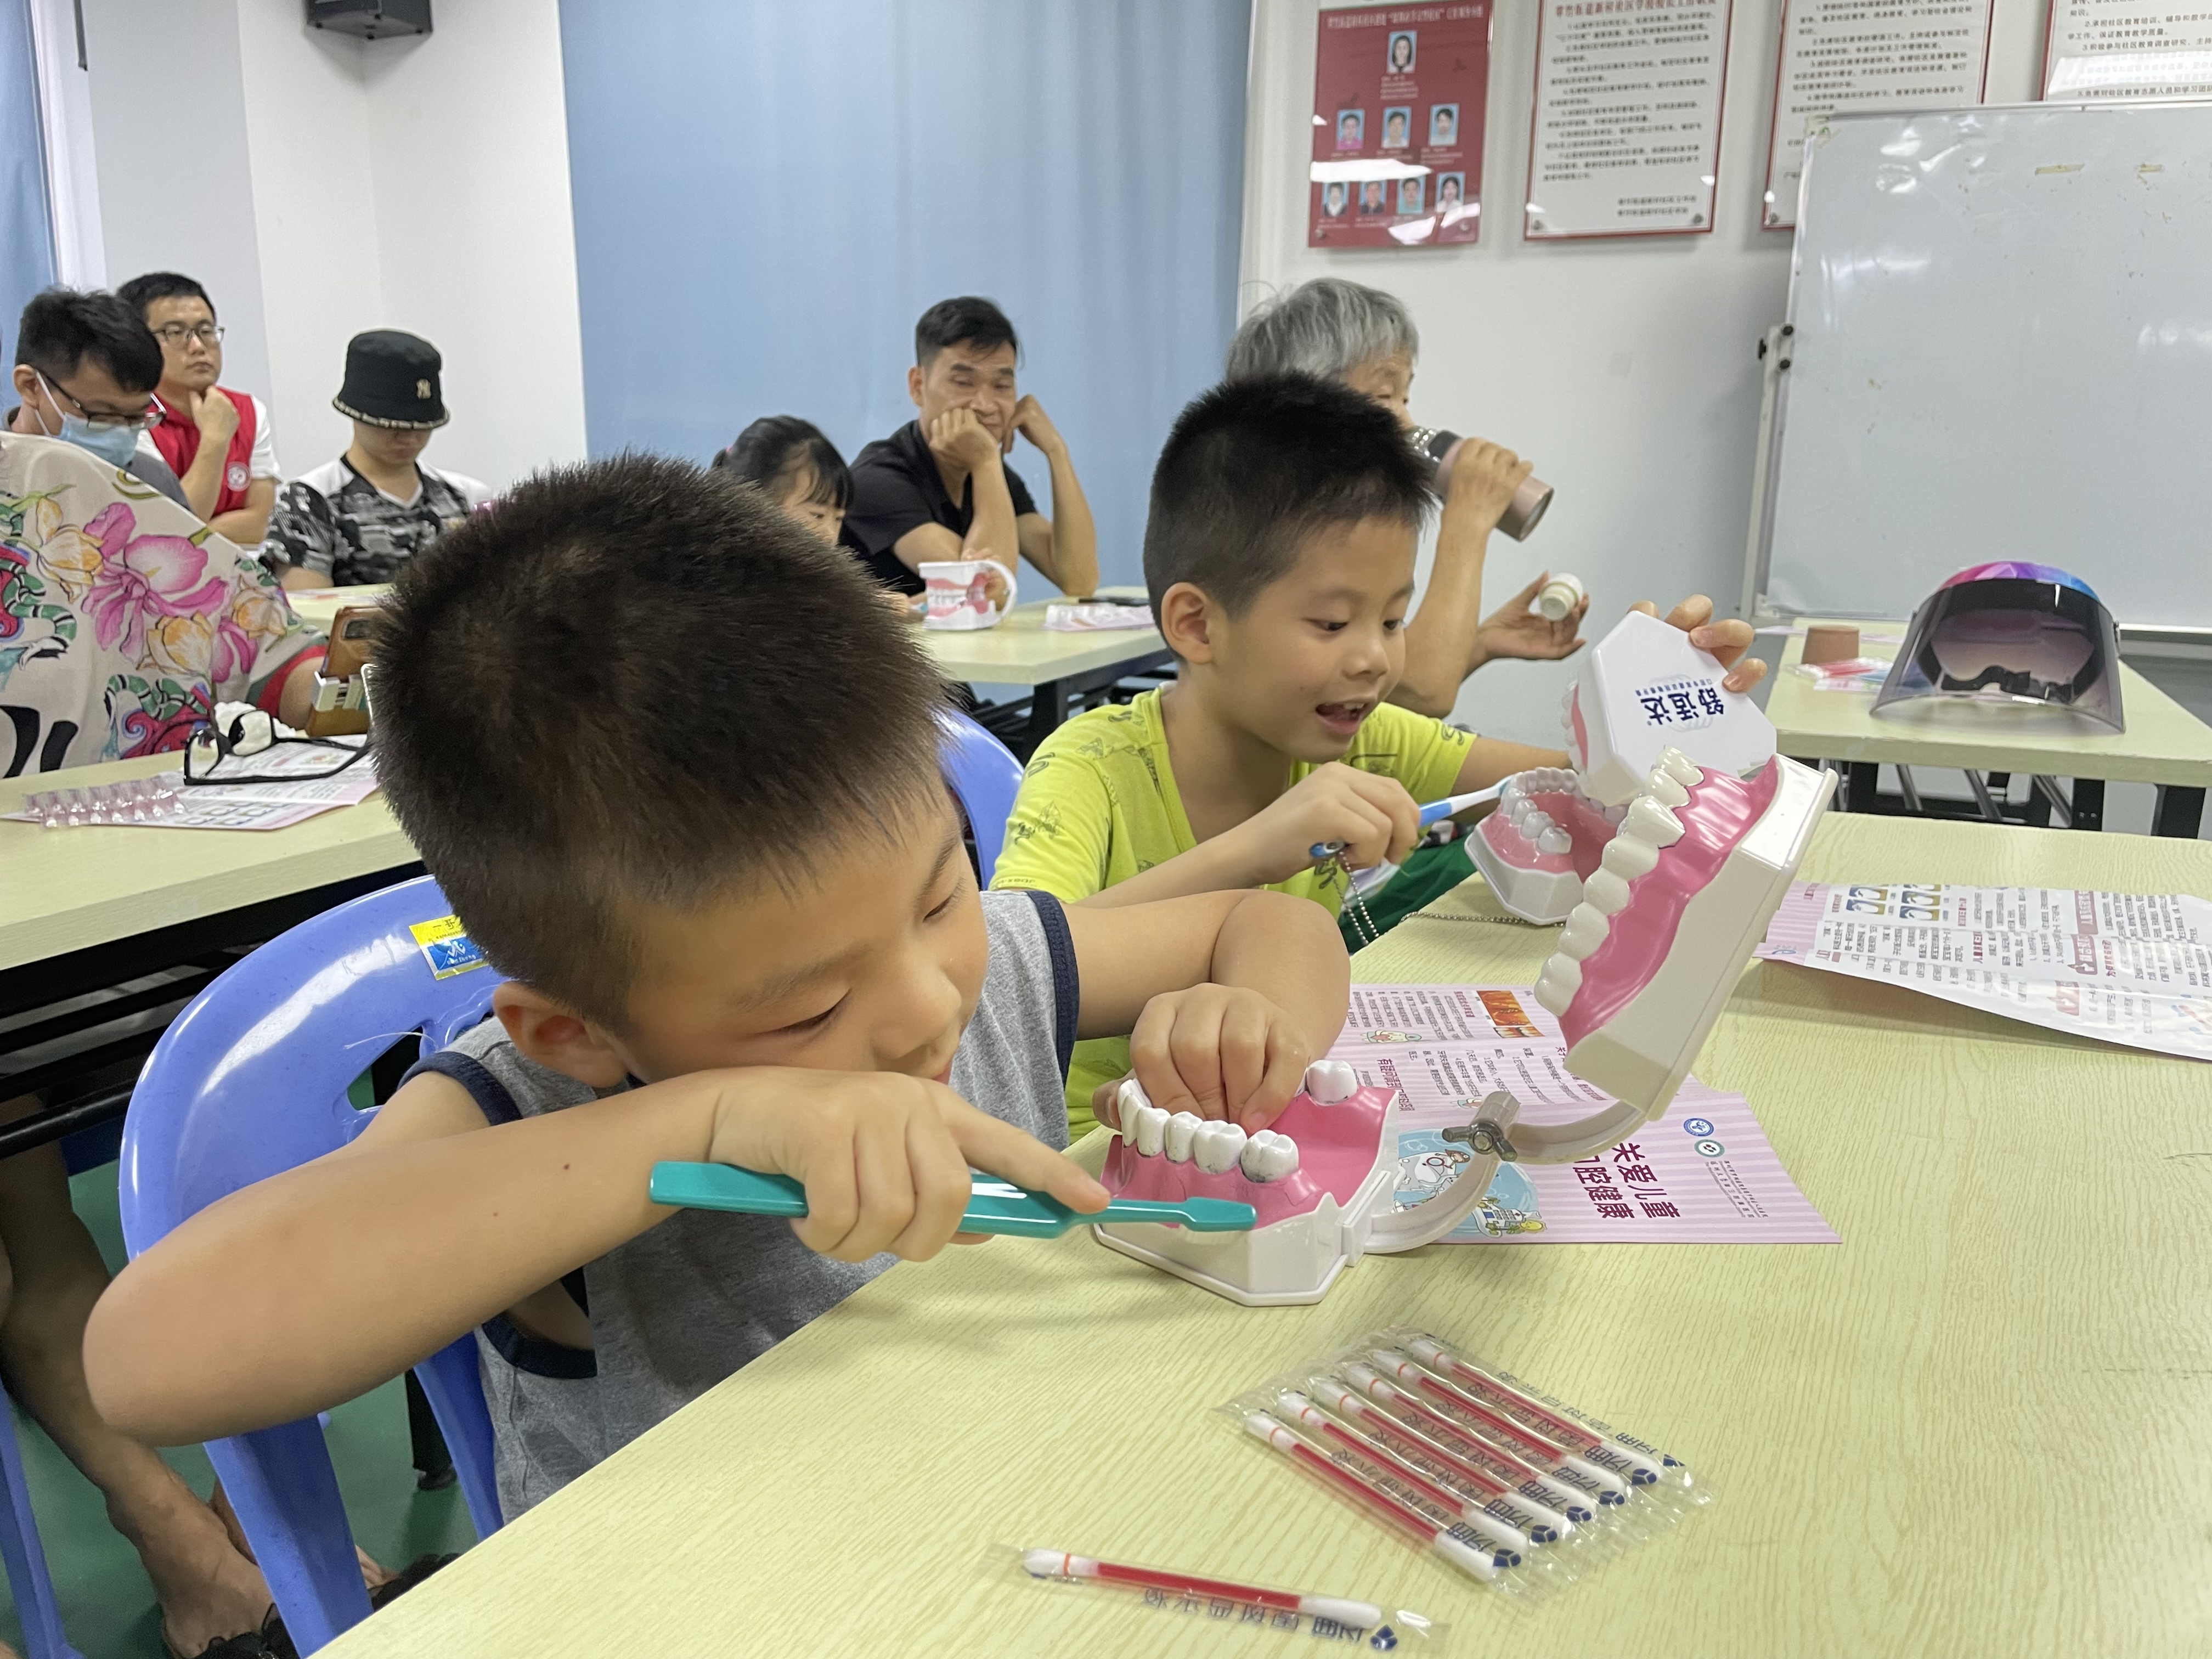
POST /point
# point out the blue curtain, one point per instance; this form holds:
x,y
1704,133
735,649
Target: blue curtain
x,y
27,239
768,195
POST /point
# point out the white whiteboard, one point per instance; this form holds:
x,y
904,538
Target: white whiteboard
x,y
2002,348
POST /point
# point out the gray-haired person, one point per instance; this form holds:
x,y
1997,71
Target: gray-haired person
x,y
1365,339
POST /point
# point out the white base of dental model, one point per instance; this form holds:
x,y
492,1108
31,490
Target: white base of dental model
x,y
1323,1181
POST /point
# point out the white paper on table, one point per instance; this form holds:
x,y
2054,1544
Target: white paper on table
x,y
1704,1174
2133,968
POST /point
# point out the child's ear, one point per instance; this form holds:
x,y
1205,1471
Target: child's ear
x,y
556,1036
1187,620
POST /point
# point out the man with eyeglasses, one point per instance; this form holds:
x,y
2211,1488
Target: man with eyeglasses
x,y
216,441
85,370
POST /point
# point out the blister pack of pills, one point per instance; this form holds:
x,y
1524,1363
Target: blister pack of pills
x,y
1519,1491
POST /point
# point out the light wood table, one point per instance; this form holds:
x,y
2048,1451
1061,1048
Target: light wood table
x,y
319,606
2164,744
82,909
1059,668
1974,1428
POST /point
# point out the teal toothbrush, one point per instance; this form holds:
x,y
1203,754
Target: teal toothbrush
x,y
994,1207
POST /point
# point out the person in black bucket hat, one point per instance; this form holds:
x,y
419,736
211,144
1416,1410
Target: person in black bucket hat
x,y
359,518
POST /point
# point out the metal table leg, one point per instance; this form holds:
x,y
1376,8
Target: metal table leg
x,y
2088,803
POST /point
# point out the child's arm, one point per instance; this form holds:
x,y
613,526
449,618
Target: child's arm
x,y
1226,996
308,1288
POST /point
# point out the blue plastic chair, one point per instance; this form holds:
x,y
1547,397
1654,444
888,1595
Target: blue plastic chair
x,y
986,777
25,1556
250,1081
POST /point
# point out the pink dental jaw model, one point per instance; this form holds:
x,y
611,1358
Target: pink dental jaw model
x,y
1648,958
1545,836
1320,1180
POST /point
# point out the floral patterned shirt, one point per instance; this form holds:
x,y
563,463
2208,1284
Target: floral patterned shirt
x,y
124,620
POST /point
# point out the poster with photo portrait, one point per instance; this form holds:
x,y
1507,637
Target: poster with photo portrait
x,y
1415,78
1451,191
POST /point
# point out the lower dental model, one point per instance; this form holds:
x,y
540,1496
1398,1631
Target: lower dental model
x,y
1648,957
1545,836
1320,1180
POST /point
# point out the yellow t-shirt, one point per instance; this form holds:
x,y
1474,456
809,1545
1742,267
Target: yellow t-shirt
x,y
1099,805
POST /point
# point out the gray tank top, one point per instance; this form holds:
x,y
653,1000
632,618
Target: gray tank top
x,y
677,1309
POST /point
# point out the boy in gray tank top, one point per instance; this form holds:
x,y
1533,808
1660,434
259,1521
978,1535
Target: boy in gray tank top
x,y
676,769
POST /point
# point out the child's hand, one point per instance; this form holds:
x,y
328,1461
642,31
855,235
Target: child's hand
x,y
885,1157
1215,1050
1727,640
1373,817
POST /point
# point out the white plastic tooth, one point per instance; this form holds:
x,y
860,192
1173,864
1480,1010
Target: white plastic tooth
x,y
1556,841
1629,858
1680,768
1585,931
1664,790
1269,1156
1536,823
1176,1137
1561,979
1126,1099
1215,1147
1331,1082
1152,1127
1648,820
1606,891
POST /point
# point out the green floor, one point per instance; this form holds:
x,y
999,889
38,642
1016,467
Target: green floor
x,y
107,1604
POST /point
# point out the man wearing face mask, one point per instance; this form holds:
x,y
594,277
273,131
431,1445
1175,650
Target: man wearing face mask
x,y
85,367
938,488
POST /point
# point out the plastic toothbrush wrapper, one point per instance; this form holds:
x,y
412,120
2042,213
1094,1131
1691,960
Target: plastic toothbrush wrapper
x,y
1365,882
1327,1618
996,1207
1509,1485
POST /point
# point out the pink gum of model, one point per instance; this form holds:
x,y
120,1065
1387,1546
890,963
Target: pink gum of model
x,y
1337,1148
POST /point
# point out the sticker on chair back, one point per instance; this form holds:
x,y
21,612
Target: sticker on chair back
x,y
447,947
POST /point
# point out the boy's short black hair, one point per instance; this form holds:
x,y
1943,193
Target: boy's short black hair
x,y
633,681
777,450
141,292
61,328
969,320
1254,466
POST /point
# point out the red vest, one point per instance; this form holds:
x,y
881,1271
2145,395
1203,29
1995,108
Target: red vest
x,y
178,438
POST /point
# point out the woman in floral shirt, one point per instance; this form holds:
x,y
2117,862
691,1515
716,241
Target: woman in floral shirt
x,y
124,620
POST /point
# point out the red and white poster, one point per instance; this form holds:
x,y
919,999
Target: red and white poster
x,y
1838,56
1397,134
1625,129
2094,49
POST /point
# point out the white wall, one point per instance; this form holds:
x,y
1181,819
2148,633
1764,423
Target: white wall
x,y
320,185
1626,371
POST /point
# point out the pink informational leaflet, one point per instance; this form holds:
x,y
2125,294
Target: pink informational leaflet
x,y
1704,1174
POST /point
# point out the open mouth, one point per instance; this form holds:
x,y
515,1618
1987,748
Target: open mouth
x,y
1343,719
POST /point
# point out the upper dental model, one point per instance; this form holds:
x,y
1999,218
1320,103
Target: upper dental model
x,y
1546,835
1319,1180
1645,961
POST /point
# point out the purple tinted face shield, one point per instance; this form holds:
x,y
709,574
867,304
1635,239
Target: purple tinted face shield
x,y
2011,640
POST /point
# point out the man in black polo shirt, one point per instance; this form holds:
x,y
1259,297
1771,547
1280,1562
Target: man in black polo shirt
x,y
938,488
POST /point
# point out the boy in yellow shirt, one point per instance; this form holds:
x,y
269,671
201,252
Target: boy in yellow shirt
x,y
1279,557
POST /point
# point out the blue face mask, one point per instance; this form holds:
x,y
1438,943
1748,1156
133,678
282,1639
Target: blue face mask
x,y
113,444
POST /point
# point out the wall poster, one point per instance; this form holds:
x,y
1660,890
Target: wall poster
x,y
1840,56
2126,49
1399,93
1625,129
